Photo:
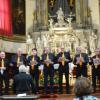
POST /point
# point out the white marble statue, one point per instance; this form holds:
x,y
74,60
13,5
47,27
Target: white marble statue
x,y
29,43
60,15
69,20
45,41
38,42
29,39
51,23
93,37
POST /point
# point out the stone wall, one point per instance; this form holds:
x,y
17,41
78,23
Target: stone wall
x,y
12,47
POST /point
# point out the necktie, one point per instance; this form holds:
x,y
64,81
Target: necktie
x,y
33,58
96,62
33,63
63,62
47,57
2,63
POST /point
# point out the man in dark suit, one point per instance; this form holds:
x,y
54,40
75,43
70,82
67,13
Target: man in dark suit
x,y
34,62
95,64
81,60
17,60
23,83
3,73
63,59
48,60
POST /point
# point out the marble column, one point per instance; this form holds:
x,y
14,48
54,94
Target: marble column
x,y
95,14
78,12
44,12
81,12
29,8
41,14
85,12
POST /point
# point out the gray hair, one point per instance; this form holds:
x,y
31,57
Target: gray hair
x,y
22,68
82,87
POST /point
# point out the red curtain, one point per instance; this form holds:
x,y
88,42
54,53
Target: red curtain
x,y
5,18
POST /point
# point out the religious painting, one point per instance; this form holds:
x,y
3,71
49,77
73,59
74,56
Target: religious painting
x,y
18,17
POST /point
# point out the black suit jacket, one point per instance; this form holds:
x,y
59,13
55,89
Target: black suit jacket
x,y
85,57
37,58
23,83
14,60
51,57
6,65
67,56
92,63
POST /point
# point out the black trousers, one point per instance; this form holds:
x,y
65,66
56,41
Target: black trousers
x,y
15,70
4,78
48,72
35,76
95,77
81,70
64,70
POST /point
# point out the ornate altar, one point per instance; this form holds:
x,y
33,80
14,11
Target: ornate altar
x,y
63,33
60,33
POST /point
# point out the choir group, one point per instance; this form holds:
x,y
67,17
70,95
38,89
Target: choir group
x,y
48,59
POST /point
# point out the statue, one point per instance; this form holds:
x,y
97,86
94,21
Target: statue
x,y
51,23
45,42
39,45
29,43
60,16
69,20
29,39
38,42
93,38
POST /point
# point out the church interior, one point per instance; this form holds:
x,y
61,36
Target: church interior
x,y
36,25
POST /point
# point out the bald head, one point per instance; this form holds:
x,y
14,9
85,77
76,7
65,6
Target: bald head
x,y
2,55
47,50
78,50
62,48
19,52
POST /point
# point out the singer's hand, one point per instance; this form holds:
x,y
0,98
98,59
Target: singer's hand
x,y
77,62
3,68
11,64
60,59
67,60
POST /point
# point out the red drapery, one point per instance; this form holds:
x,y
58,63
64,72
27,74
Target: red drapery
x,y
5,18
